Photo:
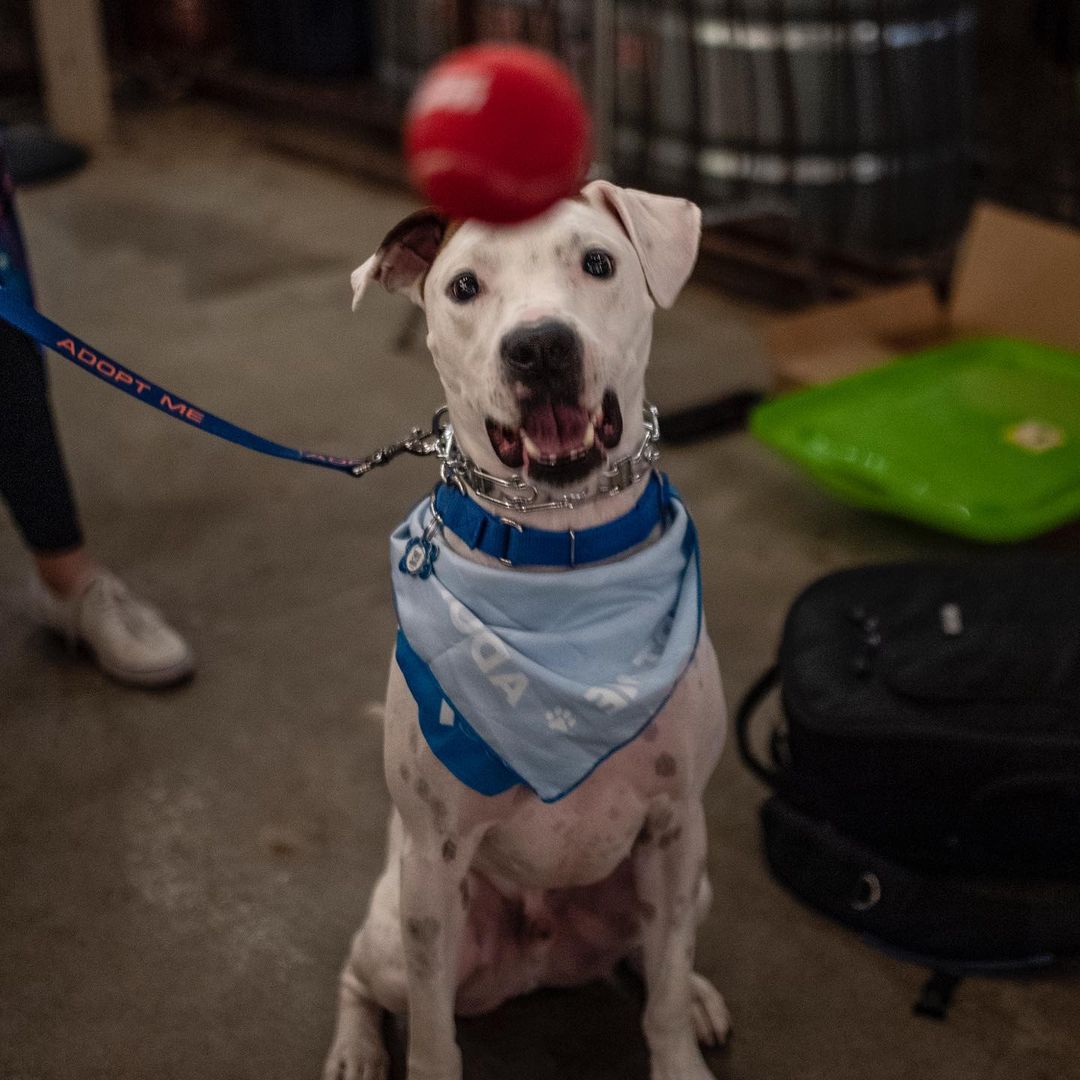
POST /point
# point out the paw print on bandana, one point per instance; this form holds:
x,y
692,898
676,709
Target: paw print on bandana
x,y
559,719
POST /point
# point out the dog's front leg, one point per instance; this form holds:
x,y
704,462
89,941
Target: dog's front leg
x,y
434,907
668,869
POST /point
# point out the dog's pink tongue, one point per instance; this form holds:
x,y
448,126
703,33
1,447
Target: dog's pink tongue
x,y
556,428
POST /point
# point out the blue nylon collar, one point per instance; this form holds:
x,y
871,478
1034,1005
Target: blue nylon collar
x,y
518,545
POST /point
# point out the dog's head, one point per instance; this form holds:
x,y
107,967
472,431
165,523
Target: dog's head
x,y
540,332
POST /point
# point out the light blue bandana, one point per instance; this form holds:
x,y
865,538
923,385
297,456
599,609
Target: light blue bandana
x,y
536,678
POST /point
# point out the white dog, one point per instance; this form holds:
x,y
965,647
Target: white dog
x,y
550,724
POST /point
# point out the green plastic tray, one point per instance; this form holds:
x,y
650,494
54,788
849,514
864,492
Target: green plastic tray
x,y
980,438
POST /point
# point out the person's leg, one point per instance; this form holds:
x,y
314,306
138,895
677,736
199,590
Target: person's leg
x,y
33,479
74,594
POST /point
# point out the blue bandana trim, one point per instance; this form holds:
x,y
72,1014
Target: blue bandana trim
x,y
450,736
536,679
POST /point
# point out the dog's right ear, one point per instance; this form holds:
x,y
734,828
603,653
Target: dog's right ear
x,y
404,257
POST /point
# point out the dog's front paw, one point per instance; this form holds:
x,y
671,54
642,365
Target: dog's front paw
x,y
346,1063
357,1053
442,1065
712,1021
685,1063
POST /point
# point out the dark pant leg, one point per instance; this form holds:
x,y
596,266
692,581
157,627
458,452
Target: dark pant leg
x,y
33,480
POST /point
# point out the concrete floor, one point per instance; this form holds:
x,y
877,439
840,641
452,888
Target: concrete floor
x,y
180,873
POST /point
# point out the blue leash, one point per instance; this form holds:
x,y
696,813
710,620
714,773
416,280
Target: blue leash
x,y
52,336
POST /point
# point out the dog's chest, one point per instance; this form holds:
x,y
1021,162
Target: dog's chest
x,y
581,839
559,847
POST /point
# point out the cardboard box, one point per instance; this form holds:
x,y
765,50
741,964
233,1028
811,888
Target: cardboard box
x,y
1016,275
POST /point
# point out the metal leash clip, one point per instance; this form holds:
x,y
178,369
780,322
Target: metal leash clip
x,y
418,443
512,492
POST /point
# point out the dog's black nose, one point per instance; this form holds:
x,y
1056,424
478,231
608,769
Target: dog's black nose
x,y
543,352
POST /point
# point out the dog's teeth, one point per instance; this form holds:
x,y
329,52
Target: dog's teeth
x,y
587,442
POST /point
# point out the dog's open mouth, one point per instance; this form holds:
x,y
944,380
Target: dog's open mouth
x,y
556,442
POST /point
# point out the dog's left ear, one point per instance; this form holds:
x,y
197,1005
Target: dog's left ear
x,y
404,257
665,233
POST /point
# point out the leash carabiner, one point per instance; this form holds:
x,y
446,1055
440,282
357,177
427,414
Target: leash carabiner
x,y
418,443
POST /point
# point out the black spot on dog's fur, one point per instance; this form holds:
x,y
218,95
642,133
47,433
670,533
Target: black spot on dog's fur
x,y
424,930
439,812
665,766
449,850
670,837
423,933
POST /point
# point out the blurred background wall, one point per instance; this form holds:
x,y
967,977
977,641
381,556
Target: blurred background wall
x,y
830,141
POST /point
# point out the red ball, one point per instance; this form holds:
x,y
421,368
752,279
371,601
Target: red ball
x,y
497,133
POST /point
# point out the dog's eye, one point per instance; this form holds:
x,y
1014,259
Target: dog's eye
x,y
598,263
464,288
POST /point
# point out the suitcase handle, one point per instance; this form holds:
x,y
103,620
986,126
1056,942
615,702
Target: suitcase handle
x,y
757,693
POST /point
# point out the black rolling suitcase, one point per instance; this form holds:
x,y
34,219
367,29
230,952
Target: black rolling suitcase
x,y
927,774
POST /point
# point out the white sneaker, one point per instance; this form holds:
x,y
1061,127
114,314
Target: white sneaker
x,y
129,639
